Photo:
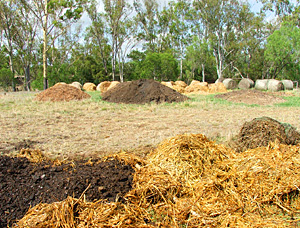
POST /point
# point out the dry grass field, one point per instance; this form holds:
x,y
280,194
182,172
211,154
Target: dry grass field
x,y
92,127
188,180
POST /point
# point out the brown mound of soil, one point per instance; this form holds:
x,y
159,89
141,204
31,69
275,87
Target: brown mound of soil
x,y
62,92
24,184
260,131
251,96
142,91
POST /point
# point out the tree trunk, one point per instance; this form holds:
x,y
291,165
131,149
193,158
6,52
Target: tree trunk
x,y
181,60
113,64
27,78
12,70
45,47
203,72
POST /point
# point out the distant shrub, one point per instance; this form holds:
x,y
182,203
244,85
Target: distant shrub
x,y
5,78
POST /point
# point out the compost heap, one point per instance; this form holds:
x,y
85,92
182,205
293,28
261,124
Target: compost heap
x,y
190,181
260,131
62,92
27,181
251,96
142,91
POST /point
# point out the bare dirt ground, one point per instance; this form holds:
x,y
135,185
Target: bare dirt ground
x,y
80,129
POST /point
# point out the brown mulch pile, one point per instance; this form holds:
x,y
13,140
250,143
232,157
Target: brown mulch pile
x,y
62,92
25,183
261,131
142,91
251,96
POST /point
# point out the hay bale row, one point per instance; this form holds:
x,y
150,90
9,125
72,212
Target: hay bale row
x,y
197,86
273,85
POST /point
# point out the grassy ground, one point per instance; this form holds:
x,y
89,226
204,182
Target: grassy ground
x,y
95,128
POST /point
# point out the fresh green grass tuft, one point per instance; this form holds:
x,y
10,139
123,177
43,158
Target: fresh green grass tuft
x,y
291,101
95,96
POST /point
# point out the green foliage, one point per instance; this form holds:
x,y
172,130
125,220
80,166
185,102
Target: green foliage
x,y
283,51
158,66
6,78
199,57
38,83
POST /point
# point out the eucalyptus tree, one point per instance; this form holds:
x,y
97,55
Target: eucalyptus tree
x,y
220,23
52,14
25,40
97,31
179,27
116,16
198,57
60,52
8,18
279,7
147,20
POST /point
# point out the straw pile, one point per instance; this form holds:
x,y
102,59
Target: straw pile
x,y
197,86
62,92
33,155
217,88
189,181
180,86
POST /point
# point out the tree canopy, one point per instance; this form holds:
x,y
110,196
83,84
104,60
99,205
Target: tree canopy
x,y
122,40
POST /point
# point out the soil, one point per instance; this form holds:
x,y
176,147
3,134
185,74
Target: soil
x,y
261,131
251,96
142,91
62,92
24,184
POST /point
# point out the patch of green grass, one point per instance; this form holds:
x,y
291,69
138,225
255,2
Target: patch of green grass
x,y
291,101
95,96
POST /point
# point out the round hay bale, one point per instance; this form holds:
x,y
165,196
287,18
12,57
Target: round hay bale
x,y
288,84
261,131
62,92
61,83
275,85
218,87
113,84
142,91
89,86
219,80
76,85
181,83
245,83
229,83
103,86
261,84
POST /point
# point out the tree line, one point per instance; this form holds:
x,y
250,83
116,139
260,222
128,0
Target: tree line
x,y
43,41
